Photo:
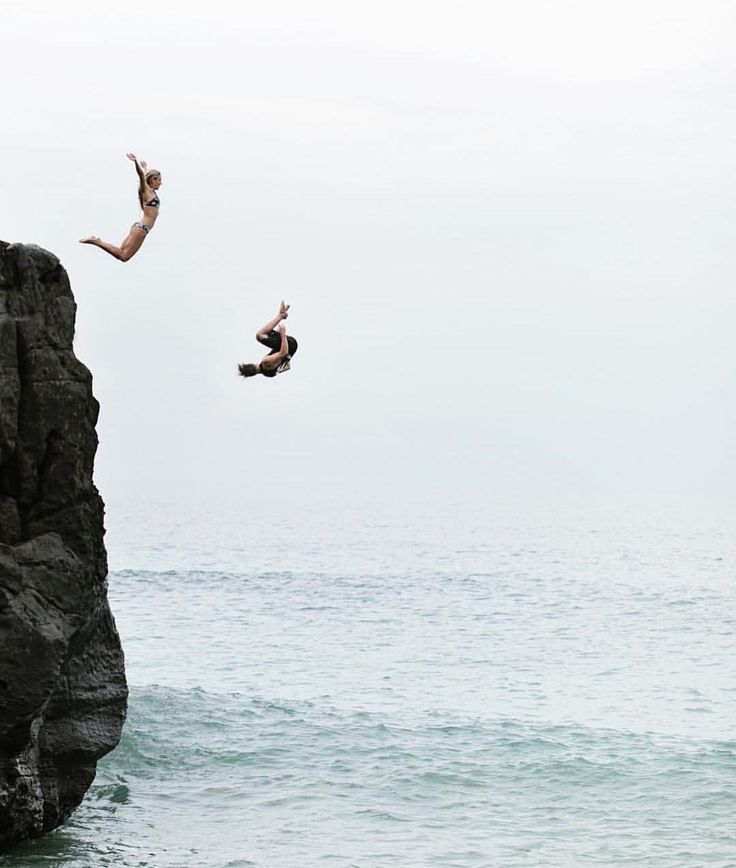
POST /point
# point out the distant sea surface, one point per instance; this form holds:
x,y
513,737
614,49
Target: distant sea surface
x,y
377,686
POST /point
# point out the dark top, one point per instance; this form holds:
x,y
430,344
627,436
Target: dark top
x,y
273,340
155,202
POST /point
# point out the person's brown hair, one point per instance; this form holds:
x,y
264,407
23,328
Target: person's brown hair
x,y
248,370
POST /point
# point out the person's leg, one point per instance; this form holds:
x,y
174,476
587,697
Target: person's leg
x,y
271,339
133,243
103,245
130,245
265,333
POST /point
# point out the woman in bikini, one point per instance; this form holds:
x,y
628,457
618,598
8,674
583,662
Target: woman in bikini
x,y
149,182
282,347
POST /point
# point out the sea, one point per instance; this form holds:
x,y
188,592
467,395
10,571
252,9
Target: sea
x,y
426,684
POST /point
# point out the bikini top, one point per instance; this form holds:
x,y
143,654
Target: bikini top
x,y
154,203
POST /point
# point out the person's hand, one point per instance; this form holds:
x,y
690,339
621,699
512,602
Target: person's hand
x,y
284,310
132,157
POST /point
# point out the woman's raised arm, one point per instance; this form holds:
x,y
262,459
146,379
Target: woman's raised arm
x,y
140,167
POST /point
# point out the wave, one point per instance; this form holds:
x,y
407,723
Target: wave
x,y
228,781
186,729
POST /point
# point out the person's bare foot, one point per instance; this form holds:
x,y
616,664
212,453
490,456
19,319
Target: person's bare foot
x,y
93,239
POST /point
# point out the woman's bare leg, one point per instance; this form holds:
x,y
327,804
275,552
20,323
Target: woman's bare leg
x,y
103,245
129,247
265,330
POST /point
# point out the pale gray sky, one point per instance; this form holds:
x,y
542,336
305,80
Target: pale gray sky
x,y
505,230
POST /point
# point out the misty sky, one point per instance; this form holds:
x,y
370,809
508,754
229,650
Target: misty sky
x,y
505,230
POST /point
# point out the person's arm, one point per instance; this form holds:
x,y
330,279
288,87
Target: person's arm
x,y
140,168
273,360
265,330
284,351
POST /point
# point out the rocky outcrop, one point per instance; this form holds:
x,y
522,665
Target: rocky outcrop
x,y
62,681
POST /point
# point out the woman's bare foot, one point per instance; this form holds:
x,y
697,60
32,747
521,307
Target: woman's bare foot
x,y
93,239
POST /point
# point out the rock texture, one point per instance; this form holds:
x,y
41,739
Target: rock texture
x,y
62,681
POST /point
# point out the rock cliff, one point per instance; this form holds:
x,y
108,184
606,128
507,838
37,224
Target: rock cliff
x,y
63,693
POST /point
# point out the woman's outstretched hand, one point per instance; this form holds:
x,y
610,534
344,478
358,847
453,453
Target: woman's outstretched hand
x,y
142,163
284,310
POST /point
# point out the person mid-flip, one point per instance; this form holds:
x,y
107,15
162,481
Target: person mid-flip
x,y
282,348
149,182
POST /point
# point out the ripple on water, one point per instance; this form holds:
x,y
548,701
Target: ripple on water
x,y
324,782
425,693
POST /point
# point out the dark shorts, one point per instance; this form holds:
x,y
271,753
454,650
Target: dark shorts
x,y
273,341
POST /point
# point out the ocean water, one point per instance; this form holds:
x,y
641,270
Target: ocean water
x,y
414,686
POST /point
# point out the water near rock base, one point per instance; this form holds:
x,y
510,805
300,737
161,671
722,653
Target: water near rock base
x,y
361,687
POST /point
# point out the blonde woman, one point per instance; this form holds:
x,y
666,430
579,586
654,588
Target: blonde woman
x,y
149,181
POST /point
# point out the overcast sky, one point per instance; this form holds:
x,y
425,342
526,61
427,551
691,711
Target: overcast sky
x,y
505,230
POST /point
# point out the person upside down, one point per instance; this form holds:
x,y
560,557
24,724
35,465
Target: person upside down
x,y
282,346
149,181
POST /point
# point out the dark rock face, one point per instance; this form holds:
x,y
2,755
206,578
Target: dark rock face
x,y
62,680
